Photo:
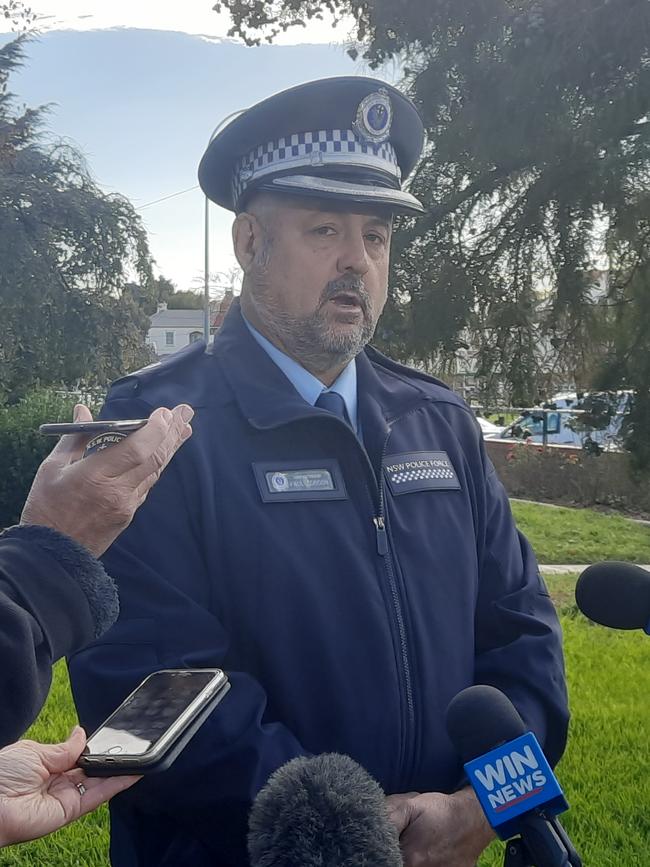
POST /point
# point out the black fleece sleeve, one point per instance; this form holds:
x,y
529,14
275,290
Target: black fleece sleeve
x,y
55,597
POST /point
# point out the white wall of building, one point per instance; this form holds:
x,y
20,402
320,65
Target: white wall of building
x,y
171,330
159,338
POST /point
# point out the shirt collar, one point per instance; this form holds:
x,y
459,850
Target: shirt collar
x,y
305,383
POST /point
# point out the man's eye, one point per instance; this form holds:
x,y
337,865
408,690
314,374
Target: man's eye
x,y
376,239
324,231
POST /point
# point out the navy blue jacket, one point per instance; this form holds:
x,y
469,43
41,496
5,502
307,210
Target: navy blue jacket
x,y
54,598
349,592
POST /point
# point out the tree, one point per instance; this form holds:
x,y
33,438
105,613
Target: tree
x,y
17,15
185,300
537,113
67,252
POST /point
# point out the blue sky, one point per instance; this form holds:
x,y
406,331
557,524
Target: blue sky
x,y
141,104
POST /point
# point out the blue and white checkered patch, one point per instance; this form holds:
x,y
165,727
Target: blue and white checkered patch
x,y
333,147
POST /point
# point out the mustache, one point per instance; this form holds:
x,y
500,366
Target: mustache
x,y
353,285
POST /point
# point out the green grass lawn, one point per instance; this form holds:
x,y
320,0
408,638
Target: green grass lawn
x,y
581,535
605,770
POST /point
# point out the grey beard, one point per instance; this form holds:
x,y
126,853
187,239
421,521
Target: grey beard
x,y
311,339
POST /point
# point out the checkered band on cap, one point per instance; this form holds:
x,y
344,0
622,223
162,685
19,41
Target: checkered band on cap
x,y
333,147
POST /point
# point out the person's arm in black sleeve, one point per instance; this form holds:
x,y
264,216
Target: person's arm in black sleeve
x,y
54,595
54,598
518,637
166,621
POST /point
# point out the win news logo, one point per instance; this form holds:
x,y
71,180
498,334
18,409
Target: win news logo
x,y
513,779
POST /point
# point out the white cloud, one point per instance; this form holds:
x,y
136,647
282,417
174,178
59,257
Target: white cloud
x,y
192,16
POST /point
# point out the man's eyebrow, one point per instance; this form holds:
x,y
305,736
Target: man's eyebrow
x,y
386,222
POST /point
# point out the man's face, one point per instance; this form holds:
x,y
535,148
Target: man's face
x,y
318,284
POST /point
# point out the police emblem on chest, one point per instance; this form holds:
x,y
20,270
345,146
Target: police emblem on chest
x,y
420,471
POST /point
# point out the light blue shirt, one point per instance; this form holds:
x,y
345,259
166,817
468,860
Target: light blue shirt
x,y
306,384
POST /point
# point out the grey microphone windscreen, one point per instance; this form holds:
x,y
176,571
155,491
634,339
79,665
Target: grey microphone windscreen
x,y
323,811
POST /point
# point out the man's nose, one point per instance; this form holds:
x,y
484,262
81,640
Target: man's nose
x,y
353,256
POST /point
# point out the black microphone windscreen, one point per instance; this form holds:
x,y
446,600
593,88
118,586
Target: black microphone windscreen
x,y
615,594
481,718
323,811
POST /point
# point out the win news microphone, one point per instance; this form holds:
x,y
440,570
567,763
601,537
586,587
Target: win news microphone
x,y
511,777
615,594
323,811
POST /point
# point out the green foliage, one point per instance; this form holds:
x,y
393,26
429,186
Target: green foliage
x,y
185,300
163,290
22,448
629,361
575,477
67,252
536,171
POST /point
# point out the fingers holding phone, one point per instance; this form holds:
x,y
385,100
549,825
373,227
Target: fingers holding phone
x,y
142,456
71,448
94,499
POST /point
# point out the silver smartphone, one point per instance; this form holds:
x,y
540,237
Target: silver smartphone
x,y
92,427
154,723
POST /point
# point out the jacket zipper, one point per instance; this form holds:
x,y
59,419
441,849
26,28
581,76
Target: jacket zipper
x,y
384,550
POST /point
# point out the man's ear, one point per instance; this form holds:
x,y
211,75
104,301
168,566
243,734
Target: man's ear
x,y
247,235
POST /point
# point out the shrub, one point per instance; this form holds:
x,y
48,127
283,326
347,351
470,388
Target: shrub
x,y
571,476
22,448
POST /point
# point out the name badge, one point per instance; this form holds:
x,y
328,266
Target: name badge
x,y
291,481
420,471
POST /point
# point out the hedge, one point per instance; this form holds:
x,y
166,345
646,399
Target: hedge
x,y
22,448
570,476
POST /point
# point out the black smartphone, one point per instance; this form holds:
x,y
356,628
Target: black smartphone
x,y
92,427
154,723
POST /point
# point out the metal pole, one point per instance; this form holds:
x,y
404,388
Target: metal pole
x,y
206,274
206,242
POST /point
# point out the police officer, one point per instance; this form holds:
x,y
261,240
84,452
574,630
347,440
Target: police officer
x,y
333,535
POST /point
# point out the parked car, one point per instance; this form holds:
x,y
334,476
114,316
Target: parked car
x,y
579,428
490,431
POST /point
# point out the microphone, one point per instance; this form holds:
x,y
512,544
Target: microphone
x,y
322,811
511,777
615,594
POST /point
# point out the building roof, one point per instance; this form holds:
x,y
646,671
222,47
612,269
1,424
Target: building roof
x,y
177,319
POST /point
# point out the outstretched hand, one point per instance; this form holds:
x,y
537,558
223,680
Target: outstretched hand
x,y
39,788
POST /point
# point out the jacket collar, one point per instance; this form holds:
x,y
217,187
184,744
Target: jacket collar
x,y
267,399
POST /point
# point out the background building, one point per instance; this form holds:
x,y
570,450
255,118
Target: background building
x,y
171,330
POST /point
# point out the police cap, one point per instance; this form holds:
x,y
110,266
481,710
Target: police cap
x,y
351,139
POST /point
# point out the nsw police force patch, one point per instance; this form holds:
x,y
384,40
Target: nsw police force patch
x,y
420,471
